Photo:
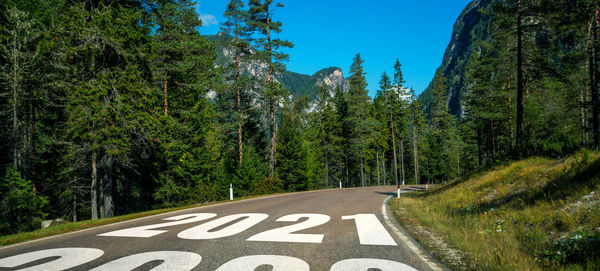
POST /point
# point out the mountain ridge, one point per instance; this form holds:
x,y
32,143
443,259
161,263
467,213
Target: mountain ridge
x,y
470,26
297,83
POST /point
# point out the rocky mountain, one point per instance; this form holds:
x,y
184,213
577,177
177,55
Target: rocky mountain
x,y
298,84
470,26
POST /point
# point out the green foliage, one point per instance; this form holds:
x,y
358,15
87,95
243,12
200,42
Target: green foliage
x,y
130,96
268,185
292,155
20,208
577,248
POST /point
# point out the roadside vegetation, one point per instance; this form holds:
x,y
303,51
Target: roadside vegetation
x,y
68,226
534,214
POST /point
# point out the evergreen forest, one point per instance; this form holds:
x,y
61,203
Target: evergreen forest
x,y
109,107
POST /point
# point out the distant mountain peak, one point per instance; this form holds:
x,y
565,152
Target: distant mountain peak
x,y
298,84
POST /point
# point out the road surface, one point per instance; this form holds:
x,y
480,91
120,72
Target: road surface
x,y
341,229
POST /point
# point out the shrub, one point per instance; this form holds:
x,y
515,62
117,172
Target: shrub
x,y
20,207
268,185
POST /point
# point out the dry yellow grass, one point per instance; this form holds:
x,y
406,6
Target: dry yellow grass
x,y
511,217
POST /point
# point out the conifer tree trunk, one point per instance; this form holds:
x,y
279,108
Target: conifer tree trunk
x,y
362,170
402,160
416,154
584,97
272,105
394,147
458,161
492,137
582,108
107,189
520,129
596,88
27,143
479,151
377,159
385,182
347,171
272,128
166,107
238,96
33,149
239,108
509,101
93,187
15,98
166,103
75,198
326,172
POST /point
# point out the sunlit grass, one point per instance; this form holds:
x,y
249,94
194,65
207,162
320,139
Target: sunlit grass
x,y
511,217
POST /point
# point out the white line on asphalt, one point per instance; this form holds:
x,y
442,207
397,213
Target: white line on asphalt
x,y
156,215
416,249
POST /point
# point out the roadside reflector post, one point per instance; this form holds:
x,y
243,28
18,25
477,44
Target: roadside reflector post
x,y
340,184
398,192
426,184
230,191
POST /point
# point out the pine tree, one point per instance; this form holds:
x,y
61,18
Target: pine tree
x,y
292,157
596,78
260,21
18,74
329,140
399,104
235,26
385,85
360,124
20,208
108,105
341,105
380,112
442,133
416,120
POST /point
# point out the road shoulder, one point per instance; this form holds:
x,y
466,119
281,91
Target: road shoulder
x,y
390,221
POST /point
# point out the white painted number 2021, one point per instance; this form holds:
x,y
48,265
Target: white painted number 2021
x,y
181,261
369,228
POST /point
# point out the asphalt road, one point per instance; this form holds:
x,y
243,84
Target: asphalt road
x,y
341,229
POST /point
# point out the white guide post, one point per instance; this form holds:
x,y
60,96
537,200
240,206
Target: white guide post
x,y
230,191
340,184
398,192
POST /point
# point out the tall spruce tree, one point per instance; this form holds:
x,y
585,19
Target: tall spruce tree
x,y
261,22
18,74
359,122
416,120
240,50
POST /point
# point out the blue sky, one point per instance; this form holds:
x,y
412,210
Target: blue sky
x,y
330,32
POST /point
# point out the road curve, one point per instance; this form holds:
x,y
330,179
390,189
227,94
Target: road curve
x,y
340,229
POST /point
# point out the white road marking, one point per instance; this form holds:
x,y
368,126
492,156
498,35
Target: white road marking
x,y
370,230
163,214
68,258
203,231
368,264
279,263
172,261
417,250
285,234
146,231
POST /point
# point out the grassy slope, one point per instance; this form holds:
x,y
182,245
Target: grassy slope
x,y
529,215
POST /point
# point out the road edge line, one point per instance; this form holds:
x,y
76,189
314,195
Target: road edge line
x,y
161,214
416,248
